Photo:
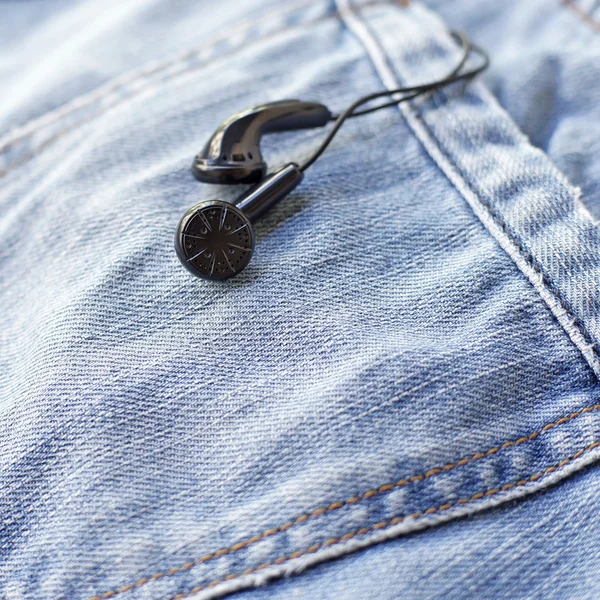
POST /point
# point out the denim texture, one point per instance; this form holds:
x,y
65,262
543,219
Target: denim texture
x,y
415,340
540,548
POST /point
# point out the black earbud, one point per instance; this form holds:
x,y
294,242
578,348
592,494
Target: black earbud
x,y
232,154
215,239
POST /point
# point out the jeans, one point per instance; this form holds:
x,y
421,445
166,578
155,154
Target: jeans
x,y
415,341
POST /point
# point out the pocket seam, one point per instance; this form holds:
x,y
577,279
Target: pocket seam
x,y
546,282
495,225
390,523
388,487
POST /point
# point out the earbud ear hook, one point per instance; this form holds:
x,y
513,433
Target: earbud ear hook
x,y
232,154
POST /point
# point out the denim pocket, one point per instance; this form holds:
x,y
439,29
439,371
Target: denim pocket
x,y
414,341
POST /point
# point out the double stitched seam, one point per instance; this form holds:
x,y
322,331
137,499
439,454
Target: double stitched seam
x,y
514,237
394,521
574,327
585,17
386,488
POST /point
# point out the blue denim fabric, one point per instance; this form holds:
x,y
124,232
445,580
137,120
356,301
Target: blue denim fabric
x,y
415,340
544,547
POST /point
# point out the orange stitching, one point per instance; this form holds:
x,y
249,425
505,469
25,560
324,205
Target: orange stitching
x,y
354,500
581,14
379,526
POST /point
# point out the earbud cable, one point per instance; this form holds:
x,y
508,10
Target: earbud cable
x,y
412,92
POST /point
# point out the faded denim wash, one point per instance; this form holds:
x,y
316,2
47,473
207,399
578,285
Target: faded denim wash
x,y
360,388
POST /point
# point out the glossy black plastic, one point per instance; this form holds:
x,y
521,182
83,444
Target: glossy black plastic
x,y
259,198
215,239
232,155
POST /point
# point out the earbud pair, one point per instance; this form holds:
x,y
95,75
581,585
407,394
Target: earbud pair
x,y
215,239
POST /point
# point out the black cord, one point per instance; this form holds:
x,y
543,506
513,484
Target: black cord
x,y
464,41
413,92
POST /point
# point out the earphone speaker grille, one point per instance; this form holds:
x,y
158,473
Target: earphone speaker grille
x,y
215,240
